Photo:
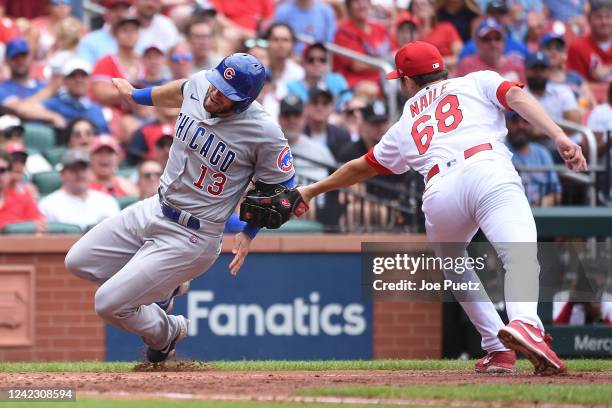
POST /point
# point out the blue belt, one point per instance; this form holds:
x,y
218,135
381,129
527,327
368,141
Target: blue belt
x,y
178,216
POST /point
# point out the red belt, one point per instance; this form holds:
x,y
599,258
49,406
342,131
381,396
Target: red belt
x,y
466,155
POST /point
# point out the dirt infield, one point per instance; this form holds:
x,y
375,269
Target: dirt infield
x,y
269,384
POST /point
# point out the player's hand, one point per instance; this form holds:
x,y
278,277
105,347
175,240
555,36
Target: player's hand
x,y
571,153
125,89
241,248
306,194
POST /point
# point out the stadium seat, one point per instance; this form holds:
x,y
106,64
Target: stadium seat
x,y
126,201
47,182
38,137
298,227
54,154
52,228
19,228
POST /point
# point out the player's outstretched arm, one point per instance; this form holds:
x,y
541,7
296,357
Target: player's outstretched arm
x,y
530,109
169,95
350,173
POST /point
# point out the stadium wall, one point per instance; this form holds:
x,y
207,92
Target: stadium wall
x,y
47,314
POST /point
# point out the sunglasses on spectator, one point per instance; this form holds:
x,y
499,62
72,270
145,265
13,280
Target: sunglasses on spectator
x,y
177,57
259,42
492,38
352,111
312,60
150,175
4,169
78,133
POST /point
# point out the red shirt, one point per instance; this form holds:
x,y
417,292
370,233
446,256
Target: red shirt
x,y
585,57
18,206
510,68
109,67
442,35
378,43
246,14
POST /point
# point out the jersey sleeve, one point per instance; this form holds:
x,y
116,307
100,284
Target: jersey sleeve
x,y
385,157
273,159
494,87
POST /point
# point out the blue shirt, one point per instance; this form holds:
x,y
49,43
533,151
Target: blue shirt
x,y
318,22
537,184
333,81
10,88
97,44
71,108
565,10
510,47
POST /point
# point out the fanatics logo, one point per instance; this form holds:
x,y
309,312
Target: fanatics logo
x,y
436,65
229,73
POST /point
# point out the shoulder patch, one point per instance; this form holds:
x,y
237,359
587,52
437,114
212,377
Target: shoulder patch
x,y
285,160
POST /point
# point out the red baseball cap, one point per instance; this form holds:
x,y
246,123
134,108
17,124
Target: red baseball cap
x,y
416,58
104,141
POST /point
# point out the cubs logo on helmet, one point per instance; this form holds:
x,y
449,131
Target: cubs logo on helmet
x,y
285,160
229,73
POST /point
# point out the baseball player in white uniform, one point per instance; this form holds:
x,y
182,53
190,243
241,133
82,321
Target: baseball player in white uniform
x,y
141,258
452,131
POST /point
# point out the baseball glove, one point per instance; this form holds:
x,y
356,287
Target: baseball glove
x,y
269,207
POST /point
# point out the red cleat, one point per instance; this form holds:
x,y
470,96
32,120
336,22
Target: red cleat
x,y
497,362
533,343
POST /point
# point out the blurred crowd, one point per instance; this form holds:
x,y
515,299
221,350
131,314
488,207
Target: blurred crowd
x,y
71,152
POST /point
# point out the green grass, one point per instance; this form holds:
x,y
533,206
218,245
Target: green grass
x,y
542,393
456,365
118,403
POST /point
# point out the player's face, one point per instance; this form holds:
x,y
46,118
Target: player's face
x,y
217,103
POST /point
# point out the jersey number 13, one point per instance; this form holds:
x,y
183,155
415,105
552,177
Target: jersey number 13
x,y
447,109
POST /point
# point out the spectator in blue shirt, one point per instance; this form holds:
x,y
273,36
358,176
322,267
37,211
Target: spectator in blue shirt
x,y
317,72
20,85
310,17
542,188
498,10
101,42
71,101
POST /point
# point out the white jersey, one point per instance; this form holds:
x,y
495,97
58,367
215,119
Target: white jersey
x,y
212,159
443,120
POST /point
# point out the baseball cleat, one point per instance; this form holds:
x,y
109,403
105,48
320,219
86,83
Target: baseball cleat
x,y
168,304
159,356
496,362
533,343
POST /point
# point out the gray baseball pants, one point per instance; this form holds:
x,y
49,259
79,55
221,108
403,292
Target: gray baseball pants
x,y
137,258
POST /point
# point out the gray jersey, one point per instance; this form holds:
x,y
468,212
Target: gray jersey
x,y
212,159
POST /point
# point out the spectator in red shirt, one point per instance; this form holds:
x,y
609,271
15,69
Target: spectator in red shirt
x,y
16,205
249,17
359,34
489,38
125,64
591,55
104,154
441,34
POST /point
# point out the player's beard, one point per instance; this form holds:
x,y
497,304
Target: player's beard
x,y
215,111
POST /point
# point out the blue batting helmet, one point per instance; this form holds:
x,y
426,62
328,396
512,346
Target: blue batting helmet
x,y
240,78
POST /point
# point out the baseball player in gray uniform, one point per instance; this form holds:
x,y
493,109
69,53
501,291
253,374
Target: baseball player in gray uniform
x,y
141,258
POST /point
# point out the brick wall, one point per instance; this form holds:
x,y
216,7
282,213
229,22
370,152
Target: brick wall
x,y
67,328
407,329
65,324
